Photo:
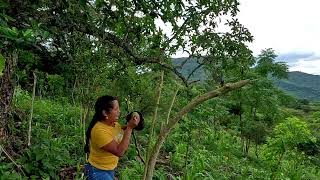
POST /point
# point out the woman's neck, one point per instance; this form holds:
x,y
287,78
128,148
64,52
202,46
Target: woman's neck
x,y
108,122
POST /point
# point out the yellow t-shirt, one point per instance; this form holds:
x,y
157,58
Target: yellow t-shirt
x,y
101,135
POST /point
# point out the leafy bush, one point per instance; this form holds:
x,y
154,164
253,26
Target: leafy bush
x,y
281,151
179,156
7,171
57,136
134,170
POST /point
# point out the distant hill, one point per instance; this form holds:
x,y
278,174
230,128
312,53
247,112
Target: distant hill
x,y
302,85
188,66
298,84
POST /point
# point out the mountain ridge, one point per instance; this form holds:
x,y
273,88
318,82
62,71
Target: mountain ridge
x,y
299,84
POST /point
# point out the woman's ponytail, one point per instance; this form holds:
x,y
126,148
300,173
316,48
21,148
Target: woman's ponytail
x,y
94,120
104,103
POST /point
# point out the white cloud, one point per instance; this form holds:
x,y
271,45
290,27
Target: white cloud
x,y
287,26
311,67
284,25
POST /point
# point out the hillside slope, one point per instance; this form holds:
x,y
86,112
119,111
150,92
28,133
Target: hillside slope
x,y
302,85
298,84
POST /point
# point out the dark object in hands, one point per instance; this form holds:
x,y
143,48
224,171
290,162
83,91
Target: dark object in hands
x,y
141,123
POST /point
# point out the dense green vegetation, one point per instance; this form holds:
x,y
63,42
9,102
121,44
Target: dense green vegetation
x,y
206,143
57,57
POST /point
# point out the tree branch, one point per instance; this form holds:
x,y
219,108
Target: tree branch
x,y
137,148
200,99
194,70
127,49
154,118
172,122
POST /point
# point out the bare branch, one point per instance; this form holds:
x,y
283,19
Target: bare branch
x,y
175,71
137,148
154,118
194,70
184,62
11,159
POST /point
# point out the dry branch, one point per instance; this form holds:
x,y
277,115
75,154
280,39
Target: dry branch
x,y
32,104
148,154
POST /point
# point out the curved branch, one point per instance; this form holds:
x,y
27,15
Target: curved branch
x,y
127,49
125,46
137,148
172,122
200,99
194,70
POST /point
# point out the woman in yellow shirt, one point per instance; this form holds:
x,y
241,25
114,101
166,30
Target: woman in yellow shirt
x,y
106,141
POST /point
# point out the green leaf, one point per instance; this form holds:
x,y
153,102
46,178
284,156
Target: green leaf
x,y
99,3
83,2
4,5
27,34
45,34
9,33
2,64
6,17
34,177
39,156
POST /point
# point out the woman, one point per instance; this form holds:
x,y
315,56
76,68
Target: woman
x,y
106,141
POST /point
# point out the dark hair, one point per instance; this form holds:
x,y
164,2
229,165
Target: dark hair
x,y
140,126
102,103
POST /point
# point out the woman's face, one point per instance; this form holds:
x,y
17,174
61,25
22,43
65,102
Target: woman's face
x,y
114,114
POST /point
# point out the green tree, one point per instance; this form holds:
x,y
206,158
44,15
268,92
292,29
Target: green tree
x,y
266,65
258,104
13,40
287,136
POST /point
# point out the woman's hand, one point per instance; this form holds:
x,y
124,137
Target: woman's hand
x,y
134,121
119,149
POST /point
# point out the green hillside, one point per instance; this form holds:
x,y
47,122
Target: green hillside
x,y
298,84
187,66
302,85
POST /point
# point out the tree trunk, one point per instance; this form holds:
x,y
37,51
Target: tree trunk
x,y
187,154
151,162
256,151
32,104
171,104
240,121
243,139
244,147
155,113
6,94
247,147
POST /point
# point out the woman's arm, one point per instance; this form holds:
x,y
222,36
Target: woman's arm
x,y
120,149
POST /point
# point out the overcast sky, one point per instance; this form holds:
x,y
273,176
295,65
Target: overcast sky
x,y
290,27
